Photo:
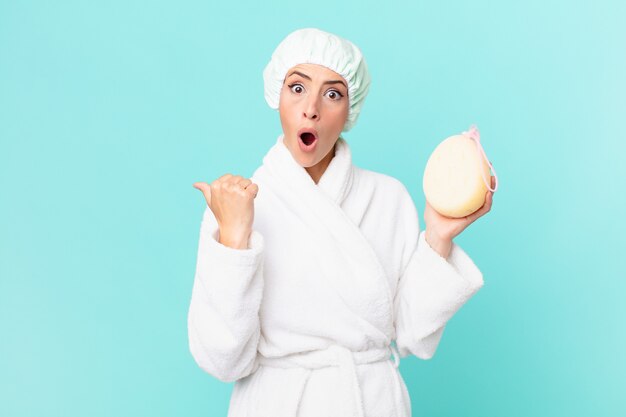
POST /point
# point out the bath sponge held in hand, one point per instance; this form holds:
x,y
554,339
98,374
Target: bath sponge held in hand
x,y
457,175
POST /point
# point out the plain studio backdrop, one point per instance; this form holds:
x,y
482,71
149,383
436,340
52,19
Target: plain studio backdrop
x,y
110,110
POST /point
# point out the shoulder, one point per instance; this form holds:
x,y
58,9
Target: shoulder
x,y
383,184
390,195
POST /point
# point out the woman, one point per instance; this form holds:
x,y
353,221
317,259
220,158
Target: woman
x,y
309,270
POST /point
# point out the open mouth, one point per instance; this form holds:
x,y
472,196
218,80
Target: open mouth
x,y
307,138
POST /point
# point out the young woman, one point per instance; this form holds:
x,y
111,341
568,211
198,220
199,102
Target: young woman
x,y
311,269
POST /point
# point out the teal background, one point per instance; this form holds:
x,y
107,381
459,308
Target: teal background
x,y
109,111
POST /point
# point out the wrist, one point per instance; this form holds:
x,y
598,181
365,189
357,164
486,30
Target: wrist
x,y
442,246
234,240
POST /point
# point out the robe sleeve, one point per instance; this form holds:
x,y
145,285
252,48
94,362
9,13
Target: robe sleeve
x,y
431,289
223,318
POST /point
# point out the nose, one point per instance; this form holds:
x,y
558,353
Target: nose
x,y
311,110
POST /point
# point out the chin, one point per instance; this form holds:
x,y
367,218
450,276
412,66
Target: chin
x,y
306,162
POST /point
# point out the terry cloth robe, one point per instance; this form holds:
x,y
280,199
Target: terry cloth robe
x,y
304,319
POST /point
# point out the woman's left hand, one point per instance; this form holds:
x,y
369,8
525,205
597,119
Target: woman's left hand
x,y
440,230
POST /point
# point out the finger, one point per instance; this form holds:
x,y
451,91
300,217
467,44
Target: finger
x,y
232,186
481,211
206,191
253,189
223,178
244,182
489,201
487,206
234,179
472,217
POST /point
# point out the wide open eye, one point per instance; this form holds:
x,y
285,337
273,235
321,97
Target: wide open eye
x,y
296,88
334,95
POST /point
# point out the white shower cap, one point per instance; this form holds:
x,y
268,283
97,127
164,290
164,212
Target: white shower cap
x,y
314,46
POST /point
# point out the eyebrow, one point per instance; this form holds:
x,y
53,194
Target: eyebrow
x,y
325,82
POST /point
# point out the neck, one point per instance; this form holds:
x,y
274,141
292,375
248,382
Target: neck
x,y
316,171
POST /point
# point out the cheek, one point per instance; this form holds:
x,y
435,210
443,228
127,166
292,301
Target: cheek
x,y
340,115
285,105
282,106
282,101
287,114
288,119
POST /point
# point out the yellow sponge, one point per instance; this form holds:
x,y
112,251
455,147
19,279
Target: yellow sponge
x,y
455,176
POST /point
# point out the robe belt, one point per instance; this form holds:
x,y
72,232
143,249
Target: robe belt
x,y
345,360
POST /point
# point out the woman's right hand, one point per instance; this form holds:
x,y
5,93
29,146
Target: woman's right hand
x,y
231,199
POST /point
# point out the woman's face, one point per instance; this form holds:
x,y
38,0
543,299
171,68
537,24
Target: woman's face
x,y
313,99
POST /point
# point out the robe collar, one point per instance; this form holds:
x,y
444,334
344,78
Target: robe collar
x,y
335,182
347,262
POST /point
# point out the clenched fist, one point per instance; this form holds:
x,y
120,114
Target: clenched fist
x,y
231,199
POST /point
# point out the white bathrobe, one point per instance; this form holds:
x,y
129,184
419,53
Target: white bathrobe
x,y
304,319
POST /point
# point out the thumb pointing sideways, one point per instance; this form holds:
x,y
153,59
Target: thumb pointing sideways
x,y
206,190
